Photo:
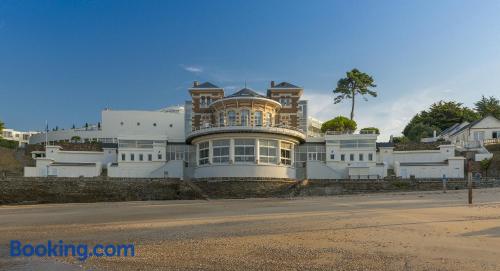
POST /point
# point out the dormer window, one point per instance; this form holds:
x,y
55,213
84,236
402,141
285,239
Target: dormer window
x,y
205,101
285,101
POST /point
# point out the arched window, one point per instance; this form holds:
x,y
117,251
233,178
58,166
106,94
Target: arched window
x,y
245,117
221,119
258,118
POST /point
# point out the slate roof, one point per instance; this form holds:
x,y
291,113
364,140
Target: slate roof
x,y
246,92
206,85
285,85
449,129
472,124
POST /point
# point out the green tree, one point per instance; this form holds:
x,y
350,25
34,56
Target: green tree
x,y
354,83
339,124
439,116
76,139
485,165
420,130
370,130
2,126
488,106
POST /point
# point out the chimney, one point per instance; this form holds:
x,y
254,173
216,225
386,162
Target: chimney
x,y
434,134
195,84
272,84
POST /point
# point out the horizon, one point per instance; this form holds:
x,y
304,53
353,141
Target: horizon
x,y
66,61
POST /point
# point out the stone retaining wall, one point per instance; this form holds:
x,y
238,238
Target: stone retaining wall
x,y
18,190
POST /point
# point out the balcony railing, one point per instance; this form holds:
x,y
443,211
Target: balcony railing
x,y
278,129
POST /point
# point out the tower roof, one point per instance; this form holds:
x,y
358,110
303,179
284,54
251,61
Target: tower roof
x,y
246,92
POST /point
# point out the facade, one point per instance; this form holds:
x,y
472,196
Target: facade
x,y
21,137
242,135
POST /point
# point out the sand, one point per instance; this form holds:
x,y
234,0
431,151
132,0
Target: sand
x,y
390,231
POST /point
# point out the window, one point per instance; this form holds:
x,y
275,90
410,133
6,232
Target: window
x,y
141,157
132,157
332,156
121,123
269,119
342,157
138,124
202,101
221,118
150,157
351,157
159,156
258,118
154,124
220,151
123,157
286,152
361,157
244,150
268,151
231,118
203,153
285,101
495,134
370,157
245,117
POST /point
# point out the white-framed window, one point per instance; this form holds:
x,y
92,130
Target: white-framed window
x,y
269,119
231,118
203,153
351,157
258,118
342,157
141,157
332,156
220,151
361,157
286,153
123,157
245,117
370,157
150,157
286,101
221,119
205,101
268,151
244,150
132,157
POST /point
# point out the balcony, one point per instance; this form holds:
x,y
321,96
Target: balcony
x,y
281,130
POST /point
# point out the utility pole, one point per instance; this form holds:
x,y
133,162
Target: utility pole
x,y
469,178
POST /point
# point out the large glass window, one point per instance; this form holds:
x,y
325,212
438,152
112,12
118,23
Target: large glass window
x,y
203,153
221,118
231,118
220,151
244,150
268,151
245,117
258,118
286,151
269,121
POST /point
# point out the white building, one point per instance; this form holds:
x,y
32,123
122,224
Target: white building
x,y
241,135
21,137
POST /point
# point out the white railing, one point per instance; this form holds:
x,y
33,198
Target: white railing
x,y
281,129
491,141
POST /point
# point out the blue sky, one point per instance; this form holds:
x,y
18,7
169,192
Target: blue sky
x,y
64,61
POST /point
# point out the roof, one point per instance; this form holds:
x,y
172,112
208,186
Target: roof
x,y
470,125
206,85
449,129
246,92
416,164
285,85
73,164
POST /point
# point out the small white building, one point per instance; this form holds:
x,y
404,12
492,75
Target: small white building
x,y
21,137
476,133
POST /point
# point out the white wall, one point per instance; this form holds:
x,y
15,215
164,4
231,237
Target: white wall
x,y
76,171
454,169
244,170
169,124
171,169
108,155
62,135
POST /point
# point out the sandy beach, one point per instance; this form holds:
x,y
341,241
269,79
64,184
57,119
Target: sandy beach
x,y
396,231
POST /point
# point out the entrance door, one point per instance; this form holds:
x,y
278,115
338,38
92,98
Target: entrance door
x,y
479,136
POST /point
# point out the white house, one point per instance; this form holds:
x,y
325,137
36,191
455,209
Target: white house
x,y
21,137
476,133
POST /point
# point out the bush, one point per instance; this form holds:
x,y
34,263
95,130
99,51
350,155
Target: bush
x,y
11,144
400,139
339,124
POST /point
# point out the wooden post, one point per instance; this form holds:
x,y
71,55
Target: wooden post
x,y
444,183
469,178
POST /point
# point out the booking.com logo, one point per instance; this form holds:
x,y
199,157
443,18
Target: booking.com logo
x,y
61,249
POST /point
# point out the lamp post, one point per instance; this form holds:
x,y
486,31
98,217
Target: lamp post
x,y
469,178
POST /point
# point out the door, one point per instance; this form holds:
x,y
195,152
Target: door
x,y
479,136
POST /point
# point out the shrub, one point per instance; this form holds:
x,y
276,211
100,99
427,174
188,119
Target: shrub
x,y
369,130
11,144
339,124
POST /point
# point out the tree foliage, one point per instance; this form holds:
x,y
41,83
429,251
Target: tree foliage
x,y
2,126
339,124
439,116
485,165
488,106
355,82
